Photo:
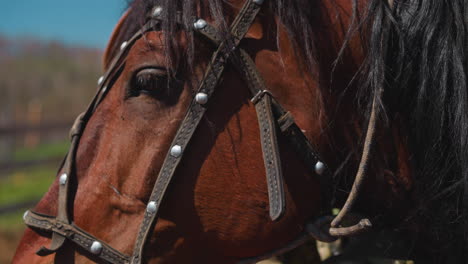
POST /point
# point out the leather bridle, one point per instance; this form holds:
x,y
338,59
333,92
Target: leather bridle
x,y
272,118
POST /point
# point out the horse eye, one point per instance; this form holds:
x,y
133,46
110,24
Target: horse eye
x,y
151,81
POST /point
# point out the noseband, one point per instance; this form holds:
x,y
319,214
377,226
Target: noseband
x,y
272,119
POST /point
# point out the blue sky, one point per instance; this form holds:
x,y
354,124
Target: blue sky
x,y
82,22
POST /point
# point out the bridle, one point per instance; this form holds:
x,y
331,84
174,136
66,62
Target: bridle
x,y
272,118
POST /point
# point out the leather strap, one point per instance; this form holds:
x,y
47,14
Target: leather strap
x,y
74,234
271,157
262,99
56,243
62,210
195,113
303,147
364,224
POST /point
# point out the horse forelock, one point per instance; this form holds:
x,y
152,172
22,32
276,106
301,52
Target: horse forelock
x,y
298,17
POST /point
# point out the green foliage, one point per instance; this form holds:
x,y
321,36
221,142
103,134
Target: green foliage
x,y
12,223
20,186
25,185
42,151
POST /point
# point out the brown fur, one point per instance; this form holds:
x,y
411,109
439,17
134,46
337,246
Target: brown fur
x,y
216,209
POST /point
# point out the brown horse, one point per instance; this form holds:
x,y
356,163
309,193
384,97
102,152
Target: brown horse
x,y
216,209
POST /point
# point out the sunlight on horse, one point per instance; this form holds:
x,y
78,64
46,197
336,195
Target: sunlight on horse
x,y
325,63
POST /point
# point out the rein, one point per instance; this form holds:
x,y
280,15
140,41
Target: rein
x,y
272,118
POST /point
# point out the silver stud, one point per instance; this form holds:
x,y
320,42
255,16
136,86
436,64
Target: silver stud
x,y
96,247
200,24
176,151
100,80
258,2
157,11
319,167
123,45
104,89
25,214
63,179
151,207
201,98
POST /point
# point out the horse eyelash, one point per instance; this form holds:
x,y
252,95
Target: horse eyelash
x,y
146,80
159,86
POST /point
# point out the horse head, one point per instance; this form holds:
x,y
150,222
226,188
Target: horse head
x,y
153,123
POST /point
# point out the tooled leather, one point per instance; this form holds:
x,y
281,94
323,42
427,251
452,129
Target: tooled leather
x,y
75,234
268,137
75,134
301,145
267,125
271,156
195,113
182,138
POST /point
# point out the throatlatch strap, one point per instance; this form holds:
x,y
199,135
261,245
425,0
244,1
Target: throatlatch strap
x,y
269,140
267,125
271,156
301,145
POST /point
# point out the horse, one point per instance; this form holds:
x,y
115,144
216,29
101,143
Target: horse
x,y
304,106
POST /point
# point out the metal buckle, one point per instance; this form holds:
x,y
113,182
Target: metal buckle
x,y
259,96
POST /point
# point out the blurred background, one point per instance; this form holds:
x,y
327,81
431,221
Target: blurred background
x,y
50,60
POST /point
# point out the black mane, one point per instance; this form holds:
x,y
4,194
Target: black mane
x,y
417,51
299,17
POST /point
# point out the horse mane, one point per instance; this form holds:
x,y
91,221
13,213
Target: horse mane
x,y
416,50
418,53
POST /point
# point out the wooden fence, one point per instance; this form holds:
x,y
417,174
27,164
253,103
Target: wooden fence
x,y
16,129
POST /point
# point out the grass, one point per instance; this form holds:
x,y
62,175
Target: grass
x,y
22,186
12,223
42,151
28,184
25,185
